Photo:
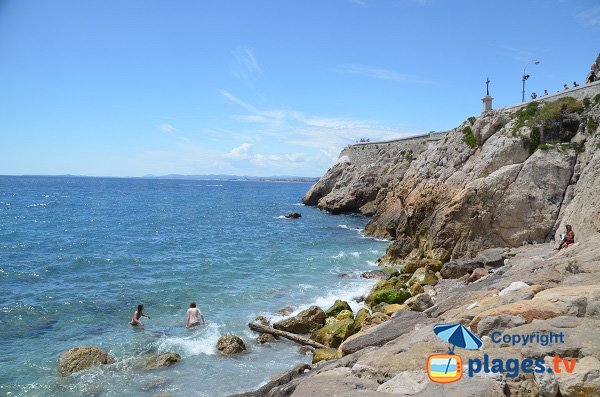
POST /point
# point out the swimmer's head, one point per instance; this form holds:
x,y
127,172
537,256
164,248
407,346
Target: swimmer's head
x,y
193,305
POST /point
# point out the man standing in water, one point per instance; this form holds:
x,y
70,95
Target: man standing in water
x,y
194,316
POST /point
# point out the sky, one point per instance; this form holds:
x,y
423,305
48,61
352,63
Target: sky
x,y
263,88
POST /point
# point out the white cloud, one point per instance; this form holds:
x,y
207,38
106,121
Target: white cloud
x,y
233,99
240,152
167,128
381,74
591,16
246,67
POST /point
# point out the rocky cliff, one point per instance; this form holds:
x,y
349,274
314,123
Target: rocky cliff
x,y
497,180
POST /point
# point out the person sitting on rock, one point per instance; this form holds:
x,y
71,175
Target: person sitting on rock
x,y
568,239
194,316
137,315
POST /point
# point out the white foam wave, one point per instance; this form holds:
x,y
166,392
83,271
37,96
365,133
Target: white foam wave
x,y
344,227
38,205
203,341
355,254
215,185
338,256
300,204
279,217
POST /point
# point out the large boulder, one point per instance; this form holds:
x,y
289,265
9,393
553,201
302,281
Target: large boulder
x,y
333,334
423,276
82,357
420,303
230,344
584,381
337,307
361,316
459,267
398,250
411,265
163,360
388,296
304,322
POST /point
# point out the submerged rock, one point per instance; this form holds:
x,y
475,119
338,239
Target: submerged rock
x,y
304,322
163,360
82,357
266,338
230,344
293,215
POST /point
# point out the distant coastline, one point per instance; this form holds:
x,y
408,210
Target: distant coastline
x,y
229,178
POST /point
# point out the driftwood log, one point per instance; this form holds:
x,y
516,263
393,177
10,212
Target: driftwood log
x,y
288,335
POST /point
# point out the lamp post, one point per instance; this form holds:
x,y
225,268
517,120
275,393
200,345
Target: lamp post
x,y
526,76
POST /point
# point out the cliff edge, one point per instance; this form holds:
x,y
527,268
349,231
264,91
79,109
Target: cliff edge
x,y
508,176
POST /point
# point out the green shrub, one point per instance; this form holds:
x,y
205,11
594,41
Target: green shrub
x,y
586,102
468,137
525,114
544,146
535,140
472,119
597,98
554,110
592,125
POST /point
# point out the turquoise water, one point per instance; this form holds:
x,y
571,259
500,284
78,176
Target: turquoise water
x,y
78,254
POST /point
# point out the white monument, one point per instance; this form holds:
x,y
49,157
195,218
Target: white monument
x,y
487,99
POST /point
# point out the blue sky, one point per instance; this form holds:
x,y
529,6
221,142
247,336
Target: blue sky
x,y
128,88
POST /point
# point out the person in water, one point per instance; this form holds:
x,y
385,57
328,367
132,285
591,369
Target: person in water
x,y
137,315
194,316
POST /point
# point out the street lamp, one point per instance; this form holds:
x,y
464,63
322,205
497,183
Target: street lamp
x,y
526,76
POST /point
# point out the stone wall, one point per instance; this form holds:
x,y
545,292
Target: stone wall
x,y
588,90
366,153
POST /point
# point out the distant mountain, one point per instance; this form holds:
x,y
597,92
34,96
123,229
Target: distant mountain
x,y
224,177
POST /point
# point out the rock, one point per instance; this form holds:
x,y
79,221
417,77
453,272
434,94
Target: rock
x,y
375,319
345,314
163,360
293,215
304,322
423,276
403,323
285,311
584,381
230,344
406,383
492,257
459,267
398,250
416,289
384,273
388,296
420,303
266,338
337,307
440,254
546,381
361,316
333,334
529,310
324,355
262,320
388,310
410,266
514,286
499,323
82,357
303,350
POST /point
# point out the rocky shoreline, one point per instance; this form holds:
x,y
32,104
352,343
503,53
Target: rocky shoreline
x,y
473,218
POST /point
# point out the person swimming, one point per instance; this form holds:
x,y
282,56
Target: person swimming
x,y
194,316
137,315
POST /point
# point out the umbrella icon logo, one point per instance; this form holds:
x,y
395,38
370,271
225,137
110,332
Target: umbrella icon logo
x,y
447,368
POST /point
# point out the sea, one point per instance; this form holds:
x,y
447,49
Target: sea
x,y
78,254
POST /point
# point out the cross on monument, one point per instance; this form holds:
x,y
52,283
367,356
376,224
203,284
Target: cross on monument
x,y
487,86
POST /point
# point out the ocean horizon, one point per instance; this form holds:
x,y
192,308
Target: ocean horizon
x,y
78,254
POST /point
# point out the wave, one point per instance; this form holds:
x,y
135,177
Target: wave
x,y
201,341
338,256
38,205
215,185
300,204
